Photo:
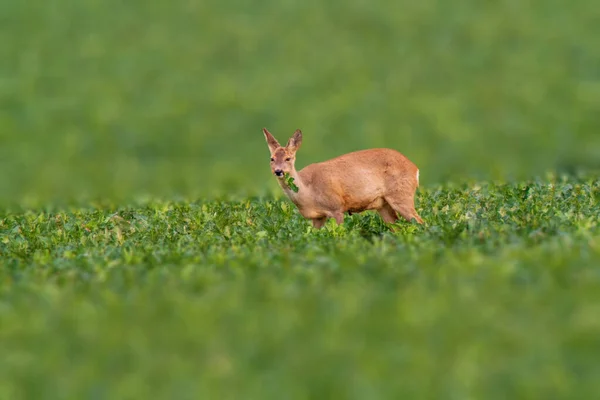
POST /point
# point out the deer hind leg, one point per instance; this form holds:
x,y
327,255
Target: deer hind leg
x,y
388,214
405,206
319,222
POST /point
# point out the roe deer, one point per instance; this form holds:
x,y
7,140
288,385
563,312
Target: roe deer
x,y
374,179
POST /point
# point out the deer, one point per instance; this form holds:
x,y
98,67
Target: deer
x,y
380,179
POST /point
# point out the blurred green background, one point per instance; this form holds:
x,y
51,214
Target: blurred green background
x,y
115,99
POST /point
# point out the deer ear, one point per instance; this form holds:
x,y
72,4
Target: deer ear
x,y
271,141
295,141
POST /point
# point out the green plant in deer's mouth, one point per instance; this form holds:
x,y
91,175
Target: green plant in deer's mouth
x,y
289,181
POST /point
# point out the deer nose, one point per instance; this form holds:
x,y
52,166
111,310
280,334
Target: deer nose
x,y
278,172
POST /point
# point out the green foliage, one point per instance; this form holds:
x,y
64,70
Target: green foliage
x,y
495,297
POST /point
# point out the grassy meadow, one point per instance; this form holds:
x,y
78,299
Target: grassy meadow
x,y
146,252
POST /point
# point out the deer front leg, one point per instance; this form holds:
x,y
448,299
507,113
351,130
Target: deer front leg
x,y
339,217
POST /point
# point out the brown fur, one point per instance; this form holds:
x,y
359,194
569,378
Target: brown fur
x,y
373,179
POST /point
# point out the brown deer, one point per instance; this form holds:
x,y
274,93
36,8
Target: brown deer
x,y
373,179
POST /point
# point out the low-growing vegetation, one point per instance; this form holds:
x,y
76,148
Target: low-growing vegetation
x,y
495,296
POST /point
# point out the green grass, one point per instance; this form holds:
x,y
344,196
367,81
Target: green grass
x,y
146,252
496,297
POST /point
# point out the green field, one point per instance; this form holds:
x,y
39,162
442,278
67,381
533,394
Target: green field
x,y
146,252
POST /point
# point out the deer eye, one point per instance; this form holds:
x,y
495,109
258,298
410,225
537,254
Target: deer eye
x,y
288,159
272,159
